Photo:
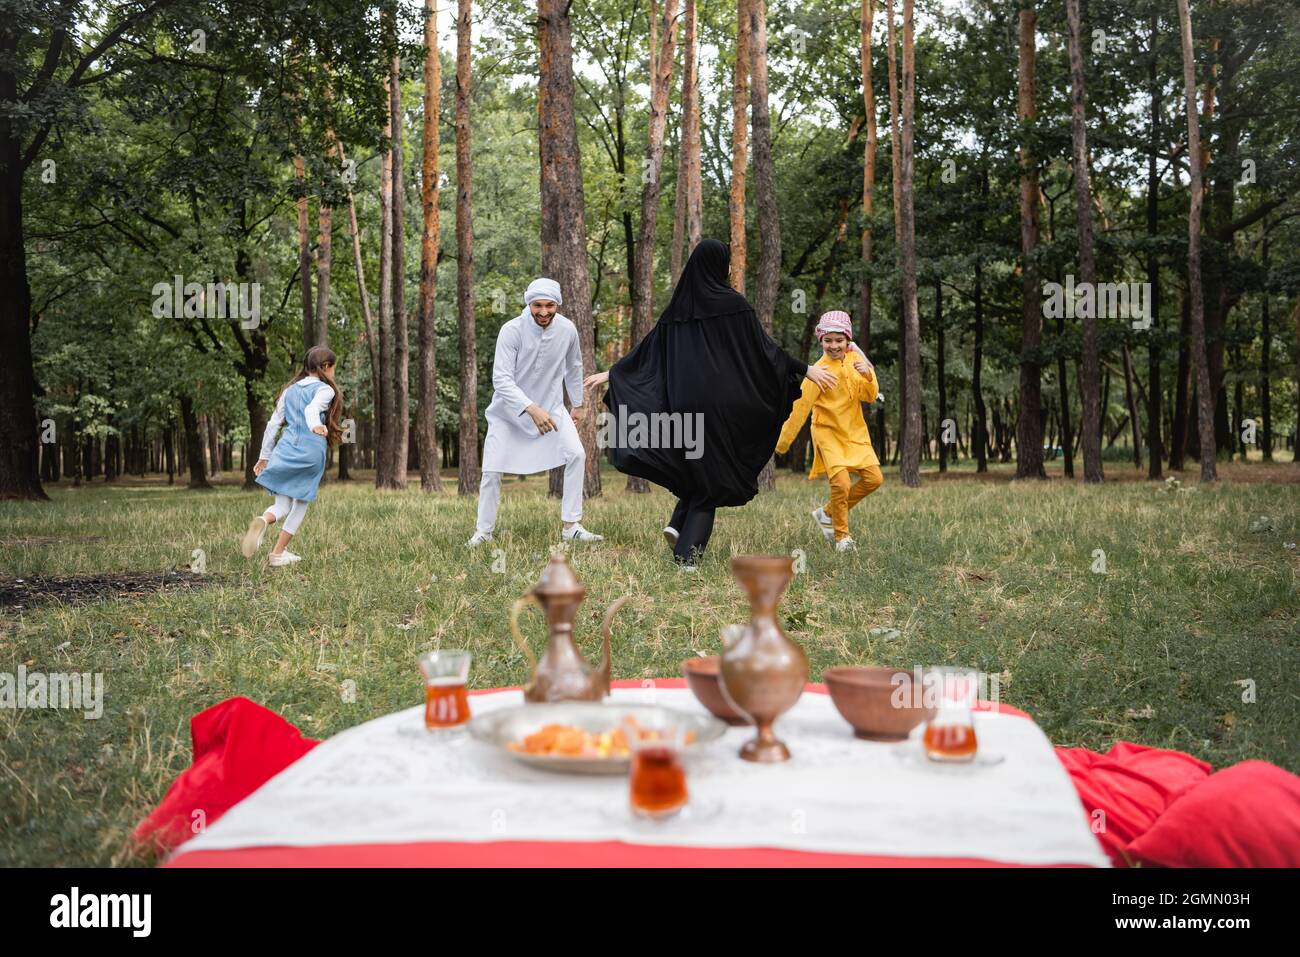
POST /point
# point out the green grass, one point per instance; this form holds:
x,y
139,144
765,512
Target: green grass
x,y
976,571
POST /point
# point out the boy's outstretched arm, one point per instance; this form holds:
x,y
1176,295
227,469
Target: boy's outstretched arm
x,y
808,394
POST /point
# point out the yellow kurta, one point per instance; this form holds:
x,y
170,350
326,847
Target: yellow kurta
x,y
839,433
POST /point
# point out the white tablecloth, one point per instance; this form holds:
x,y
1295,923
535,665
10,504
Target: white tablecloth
x,y
385,782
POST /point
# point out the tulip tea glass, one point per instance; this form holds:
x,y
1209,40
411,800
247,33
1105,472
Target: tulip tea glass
x,y
950,734
446,702
657,780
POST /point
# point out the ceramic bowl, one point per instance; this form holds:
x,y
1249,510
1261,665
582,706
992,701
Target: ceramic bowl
x,y
879,706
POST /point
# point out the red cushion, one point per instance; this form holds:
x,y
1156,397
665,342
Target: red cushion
x,y
1125,790
1247,815
238,747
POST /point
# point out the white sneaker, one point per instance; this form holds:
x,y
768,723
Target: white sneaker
x,y
251,540
580,534
671,535
478,539
824,523
846,545
285,557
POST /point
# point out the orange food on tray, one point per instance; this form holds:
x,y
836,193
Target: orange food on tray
x,y
570,741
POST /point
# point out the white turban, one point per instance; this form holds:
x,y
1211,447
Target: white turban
x,y
543,289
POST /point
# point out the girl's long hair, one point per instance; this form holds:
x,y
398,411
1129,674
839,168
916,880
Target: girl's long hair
x,y
314,363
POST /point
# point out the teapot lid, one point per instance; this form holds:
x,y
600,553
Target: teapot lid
x,y
558,578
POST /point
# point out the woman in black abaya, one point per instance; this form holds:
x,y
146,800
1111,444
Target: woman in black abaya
x,y
708,354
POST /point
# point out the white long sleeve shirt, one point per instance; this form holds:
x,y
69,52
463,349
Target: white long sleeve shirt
x,y
314,414
532,366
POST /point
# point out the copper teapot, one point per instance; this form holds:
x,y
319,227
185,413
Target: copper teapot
x,y
562,674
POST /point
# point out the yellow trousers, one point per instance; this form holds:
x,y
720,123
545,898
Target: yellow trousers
x,y
845,495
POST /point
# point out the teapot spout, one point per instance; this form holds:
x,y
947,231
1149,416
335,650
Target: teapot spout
x,y
603,669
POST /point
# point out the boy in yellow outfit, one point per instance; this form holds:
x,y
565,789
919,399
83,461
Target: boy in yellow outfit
x,y
841,442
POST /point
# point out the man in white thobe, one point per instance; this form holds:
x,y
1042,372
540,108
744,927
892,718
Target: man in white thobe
x,y
529,430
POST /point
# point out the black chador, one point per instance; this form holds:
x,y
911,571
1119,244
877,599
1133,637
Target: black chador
x,y
709,357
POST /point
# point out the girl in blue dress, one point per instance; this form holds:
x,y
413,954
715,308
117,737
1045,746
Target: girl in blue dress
x,y
291,468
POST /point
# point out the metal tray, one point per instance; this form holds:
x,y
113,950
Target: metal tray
x,y
499,728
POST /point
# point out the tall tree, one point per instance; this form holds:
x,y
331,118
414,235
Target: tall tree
x,y
401,370
427,423
896,191
868,175
769,236
910,456
1265,365
469,474
305,267
564,224
661,78
739,146
686,221
384,477
1155,452
769,213
1089,367
1204,391
324,250
1029,426
651,180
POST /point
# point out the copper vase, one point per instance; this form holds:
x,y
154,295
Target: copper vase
x,y
763,671
562,674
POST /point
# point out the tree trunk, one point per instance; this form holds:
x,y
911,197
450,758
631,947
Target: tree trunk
x,y
469,474
1029,426
169,455
689,185
387,418
769,215
304,254
1129,400
1089,366
1155,451
768,212
910,465
401,343
426,426
214,445
564,226
367,323
661,84
661,69
943,393
324,262
1178,427
739,146
868,177
193,444
1205,391
1266,335
896,180
19,442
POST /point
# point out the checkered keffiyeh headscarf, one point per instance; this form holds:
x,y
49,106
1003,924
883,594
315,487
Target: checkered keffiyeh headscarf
x,y
836,321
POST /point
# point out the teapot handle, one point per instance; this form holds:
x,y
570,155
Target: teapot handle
x,y
515,609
